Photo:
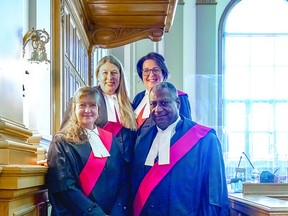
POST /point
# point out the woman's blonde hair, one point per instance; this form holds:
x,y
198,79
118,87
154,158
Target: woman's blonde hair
x,y
73,129
127,115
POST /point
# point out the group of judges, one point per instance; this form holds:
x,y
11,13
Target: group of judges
x,y
114,156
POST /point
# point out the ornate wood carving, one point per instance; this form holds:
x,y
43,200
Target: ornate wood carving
x,y
109,38
113,23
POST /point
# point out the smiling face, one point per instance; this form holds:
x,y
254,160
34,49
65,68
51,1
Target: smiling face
x,y
164,107
108,78
86,111
152,78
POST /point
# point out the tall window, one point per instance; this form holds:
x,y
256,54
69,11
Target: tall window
x,y
255,86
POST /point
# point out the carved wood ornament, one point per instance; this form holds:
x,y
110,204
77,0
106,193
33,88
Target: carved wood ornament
x,y
113,23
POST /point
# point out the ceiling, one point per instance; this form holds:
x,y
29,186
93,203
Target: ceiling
x,y
114,23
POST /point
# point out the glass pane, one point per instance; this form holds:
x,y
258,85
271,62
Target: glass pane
x,y
236,50
261,117
281,82
262,51
261,83
281,118
260,143
236,143
282,145
281,50
236,117
234,79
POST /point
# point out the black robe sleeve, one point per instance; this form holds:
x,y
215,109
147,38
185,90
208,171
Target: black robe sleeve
x,y
65,193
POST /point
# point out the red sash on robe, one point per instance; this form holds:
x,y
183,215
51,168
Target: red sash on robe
x,y
113,127
94,166
158,172
180,93
140,120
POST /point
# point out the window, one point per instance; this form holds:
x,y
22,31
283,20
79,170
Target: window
x,y
255,86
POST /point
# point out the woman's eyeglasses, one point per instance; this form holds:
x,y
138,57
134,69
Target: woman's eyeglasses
x,y
155,71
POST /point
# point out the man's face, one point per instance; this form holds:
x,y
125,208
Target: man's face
x,y
164,108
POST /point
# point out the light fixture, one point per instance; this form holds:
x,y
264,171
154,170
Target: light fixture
x,y
38,38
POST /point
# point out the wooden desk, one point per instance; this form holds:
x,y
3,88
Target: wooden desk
x,y
260,200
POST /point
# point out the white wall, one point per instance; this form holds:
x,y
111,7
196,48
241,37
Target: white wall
x,y
24,96
11,72
37,101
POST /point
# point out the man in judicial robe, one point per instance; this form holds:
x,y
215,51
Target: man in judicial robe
x,y
177,167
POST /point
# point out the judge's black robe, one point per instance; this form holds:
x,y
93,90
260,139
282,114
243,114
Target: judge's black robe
x,y
196,185
66,161
126,137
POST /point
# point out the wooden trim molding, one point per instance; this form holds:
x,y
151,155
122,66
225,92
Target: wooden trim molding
x,y
14,146
208,2
13,129
22,176
73,8
109,38
57,14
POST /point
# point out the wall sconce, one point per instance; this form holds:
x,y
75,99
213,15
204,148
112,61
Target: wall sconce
x,y
38,38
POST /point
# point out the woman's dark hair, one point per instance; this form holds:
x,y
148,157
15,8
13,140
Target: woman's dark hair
x,y
159,59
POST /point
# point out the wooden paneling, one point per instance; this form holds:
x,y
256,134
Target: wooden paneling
x,y
112,23
75,55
